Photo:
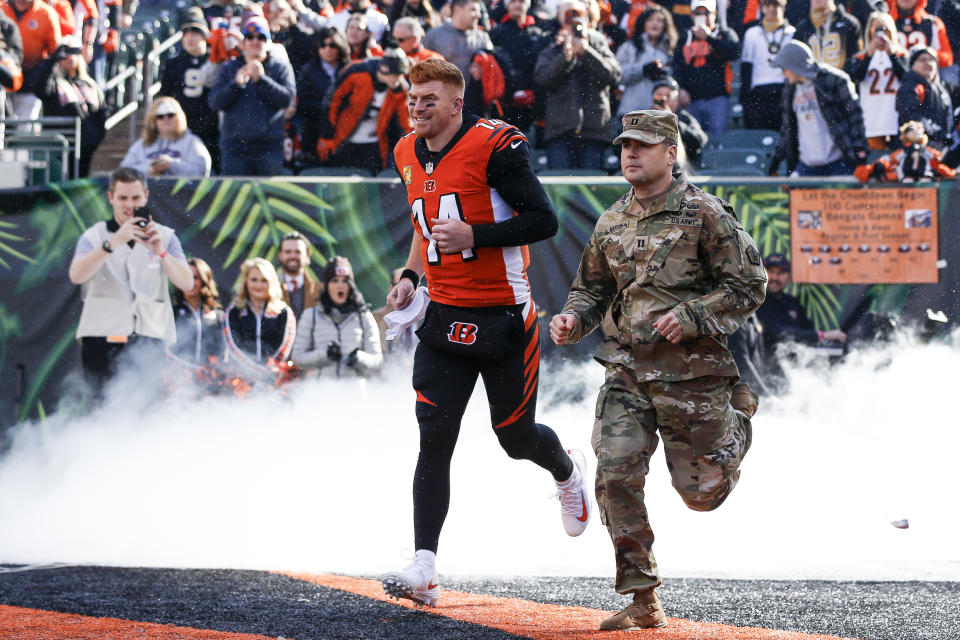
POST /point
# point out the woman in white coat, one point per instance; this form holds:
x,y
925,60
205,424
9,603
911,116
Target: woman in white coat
x,y
339,336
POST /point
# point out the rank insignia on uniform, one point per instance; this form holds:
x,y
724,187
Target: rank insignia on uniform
x,y
407,174
753,255
428,168
693,205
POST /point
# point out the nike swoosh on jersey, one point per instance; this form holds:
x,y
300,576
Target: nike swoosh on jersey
x,y
514,145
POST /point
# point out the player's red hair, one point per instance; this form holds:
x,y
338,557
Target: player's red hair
x,y
433,69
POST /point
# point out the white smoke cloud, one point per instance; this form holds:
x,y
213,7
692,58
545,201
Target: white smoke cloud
x,y
319,479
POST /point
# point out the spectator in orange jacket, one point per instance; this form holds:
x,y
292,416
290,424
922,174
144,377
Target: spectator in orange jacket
x,y
369,97
68,21
40,31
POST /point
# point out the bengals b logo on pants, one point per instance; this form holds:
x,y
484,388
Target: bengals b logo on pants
x,y
462,333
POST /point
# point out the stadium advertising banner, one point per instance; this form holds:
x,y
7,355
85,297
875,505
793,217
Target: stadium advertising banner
x,y
864,236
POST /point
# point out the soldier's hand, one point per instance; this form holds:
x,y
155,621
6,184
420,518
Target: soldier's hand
x,y
669,327
560,327
451,235
401,294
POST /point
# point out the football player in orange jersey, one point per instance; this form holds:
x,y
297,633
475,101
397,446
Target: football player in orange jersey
x,y
475,205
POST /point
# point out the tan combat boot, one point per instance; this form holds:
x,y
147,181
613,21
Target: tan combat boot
x,y
744,399
645,612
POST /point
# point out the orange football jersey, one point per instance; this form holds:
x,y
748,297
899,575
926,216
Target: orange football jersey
x,y
456,186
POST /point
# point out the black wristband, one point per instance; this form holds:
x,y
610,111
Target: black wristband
x,y
411,275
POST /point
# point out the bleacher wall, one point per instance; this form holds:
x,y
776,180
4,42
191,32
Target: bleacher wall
x,y
225,221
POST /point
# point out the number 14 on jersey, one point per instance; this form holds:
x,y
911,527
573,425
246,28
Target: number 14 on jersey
x,y
449,210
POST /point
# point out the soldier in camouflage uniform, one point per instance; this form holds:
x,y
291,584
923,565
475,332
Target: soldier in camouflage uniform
x,y
679,274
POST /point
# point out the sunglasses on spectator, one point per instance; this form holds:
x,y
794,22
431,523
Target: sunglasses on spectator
x,y
328,45
166,114
255,36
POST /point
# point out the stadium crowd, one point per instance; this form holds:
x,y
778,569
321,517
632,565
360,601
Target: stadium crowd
x,y
288,85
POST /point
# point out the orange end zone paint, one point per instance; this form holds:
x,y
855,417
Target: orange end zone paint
x,y
34,624
547,621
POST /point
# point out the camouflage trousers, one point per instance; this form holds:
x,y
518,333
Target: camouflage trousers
x,y
704,440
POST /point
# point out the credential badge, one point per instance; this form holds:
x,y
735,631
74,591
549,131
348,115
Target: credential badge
x,y
407,174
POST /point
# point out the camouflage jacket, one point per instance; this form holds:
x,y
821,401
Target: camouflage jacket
x,y
686,253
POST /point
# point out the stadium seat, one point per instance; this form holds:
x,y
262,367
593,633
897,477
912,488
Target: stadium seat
x,y
335,172
736,113
756,140
734,162
538,158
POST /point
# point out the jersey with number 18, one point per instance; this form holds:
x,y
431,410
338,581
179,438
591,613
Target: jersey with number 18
x,y
455,184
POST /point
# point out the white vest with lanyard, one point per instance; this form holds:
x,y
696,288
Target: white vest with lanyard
x,y
129,293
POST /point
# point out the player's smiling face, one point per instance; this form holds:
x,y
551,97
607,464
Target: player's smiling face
x,y
433,106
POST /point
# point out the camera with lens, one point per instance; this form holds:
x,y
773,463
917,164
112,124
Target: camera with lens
x,y
144,214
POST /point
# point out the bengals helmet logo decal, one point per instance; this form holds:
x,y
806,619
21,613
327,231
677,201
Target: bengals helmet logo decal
x,y
462,333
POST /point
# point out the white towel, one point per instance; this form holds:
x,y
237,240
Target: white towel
x,y
409,316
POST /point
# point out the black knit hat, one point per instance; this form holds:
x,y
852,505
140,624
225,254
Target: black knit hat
x,y
919,50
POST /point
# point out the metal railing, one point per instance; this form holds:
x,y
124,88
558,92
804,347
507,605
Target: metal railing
x,y
135,85
37,151
56,131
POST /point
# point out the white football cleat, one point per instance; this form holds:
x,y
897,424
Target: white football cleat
x,y
417,581
574,497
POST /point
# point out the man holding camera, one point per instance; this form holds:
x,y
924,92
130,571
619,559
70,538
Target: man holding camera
x,y
701,64
125,265
575,75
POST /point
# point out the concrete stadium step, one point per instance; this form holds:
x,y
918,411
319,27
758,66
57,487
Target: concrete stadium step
x,y
111,151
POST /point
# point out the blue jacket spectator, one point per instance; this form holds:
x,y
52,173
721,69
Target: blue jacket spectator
x,y
253,92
